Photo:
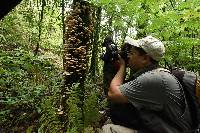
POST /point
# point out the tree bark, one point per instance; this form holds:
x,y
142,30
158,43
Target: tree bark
x,y
40,27
63,20
94,59
78,36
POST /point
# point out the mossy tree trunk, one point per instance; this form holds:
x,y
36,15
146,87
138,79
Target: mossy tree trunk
x,y
94,60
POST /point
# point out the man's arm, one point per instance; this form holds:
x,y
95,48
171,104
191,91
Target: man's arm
x,y
114,92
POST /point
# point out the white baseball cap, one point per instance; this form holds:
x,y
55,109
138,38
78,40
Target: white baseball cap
x,y
152,46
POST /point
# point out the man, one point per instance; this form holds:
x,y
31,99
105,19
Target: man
x,y
156,97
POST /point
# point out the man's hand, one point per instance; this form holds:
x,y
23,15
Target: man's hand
x,y
121,61
114,92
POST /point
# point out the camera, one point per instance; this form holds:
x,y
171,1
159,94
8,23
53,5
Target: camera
x,y
112,50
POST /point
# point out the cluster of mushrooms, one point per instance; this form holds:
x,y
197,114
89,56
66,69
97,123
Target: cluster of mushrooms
x,y
79,28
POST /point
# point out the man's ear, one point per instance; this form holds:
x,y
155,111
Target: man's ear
x,y
146,58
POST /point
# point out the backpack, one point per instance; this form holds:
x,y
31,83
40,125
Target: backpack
x,y
188,80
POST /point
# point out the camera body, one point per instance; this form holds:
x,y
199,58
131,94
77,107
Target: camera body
x,y
112,50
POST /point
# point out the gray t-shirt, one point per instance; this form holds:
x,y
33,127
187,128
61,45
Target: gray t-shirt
x,y
157,91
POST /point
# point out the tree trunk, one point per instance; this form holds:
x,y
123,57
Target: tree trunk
x,y
94,59
110,31
193,62
141,25
63,20
40,27
109,69
78,36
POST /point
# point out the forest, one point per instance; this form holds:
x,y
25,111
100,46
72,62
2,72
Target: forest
x,y
51,72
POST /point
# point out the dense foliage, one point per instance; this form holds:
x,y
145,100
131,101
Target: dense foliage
x,y
31,79
25,80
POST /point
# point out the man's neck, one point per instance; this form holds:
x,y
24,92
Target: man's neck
x,y
148,67
145,66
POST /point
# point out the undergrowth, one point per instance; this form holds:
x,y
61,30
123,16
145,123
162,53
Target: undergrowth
x,y
30,94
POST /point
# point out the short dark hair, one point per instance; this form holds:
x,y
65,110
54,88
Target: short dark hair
x,y
142,52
